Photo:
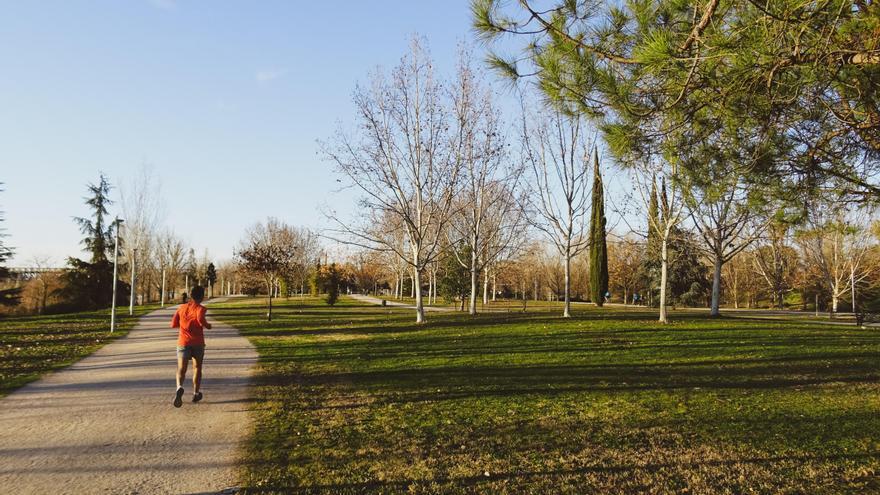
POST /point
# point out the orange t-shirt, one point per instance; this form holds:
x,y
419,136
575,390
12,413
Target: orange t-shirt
x,y
190,318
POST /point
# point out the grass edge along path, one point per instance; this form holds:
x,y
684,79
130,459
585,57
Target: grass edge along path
x,y
358,399
32,346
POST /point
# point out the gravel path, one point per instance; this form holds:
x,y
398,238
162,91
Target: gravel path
x,y
106,423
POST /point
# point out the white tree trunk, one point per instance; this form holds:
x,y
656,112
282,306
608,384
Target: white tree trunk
x,y
566,313
269,313
852,282
472,300
716,287
735,291
663,268
420,308
485,288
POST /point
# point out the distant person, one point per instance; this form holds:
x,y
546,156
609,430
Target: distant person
x,y
190,319
183,297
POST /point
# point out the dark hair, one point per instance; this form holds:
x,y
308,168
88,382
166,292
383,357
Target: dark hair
x,y
197,293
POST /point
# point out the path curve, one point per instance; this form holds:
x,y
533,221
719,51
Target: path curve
x,y
106,423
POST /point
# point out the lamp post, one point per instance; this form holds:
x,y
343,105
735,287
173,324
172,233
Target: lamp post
x,y
163,286
133,283
118,222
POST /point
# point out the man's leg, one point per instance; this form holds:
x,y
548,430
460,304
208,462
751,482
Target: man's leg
x,y
181,370
197,374
182,358
198,357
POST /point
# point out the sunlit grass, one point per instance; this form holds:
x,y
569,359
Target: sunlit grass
x,y
31,346
358,399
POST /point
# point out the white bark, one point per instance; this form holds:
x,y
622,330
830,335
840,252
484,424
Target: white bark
x,y
664,263
404,163
485,288
558,156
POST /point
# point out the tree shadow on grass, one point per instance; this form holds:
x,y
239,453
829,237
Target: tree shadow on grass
x,y
470,483
477,382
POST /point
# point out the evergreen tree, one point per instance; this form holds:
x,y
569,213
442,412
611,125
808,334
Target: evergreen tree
x,y
89,283
8,297
689,279
211,275
455,280
316,281
598,246
798,77
331,284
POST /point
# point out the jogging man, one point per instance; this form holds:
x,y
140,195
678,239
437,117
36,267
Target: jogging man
x,y
190,318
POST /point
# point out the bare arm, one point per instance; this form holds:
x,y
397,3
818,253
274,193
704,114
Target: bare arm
x,y
202,320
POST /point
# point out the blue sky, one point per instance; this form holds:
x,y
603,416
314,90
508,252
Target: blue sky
x,y
224,100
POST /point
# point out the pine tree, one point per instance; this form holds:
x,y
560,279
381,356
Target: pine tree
x,y
454,283
89,284
8,297
331,284
98,237
598,246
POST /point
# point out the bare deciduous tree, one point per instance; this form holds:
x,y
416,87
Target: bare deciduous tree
x,y
170,255
776,262
142,207
625,257
670,206
268,251
720,210
558,203
401,162
489,219
837,245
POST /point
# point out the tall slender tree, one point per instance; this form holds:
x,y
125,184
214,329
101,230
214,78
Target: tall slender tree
x,y
555,151
89,284
598,244
489,219
8,297
404,164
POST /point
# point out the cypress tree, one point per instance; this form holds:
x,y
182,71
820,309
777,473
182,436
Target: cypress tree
x,y
598,247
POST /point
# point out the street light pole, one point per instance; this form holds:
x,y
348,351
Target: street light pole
x,y
133,282
115,267
163,287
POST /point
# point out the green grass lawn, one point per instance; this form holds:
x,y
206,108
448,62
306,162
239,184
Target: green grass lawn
x,y
358,399
31,346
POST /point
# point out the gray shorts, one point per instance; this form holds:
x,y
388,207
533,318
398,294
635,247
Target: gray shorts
x,y
191,352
